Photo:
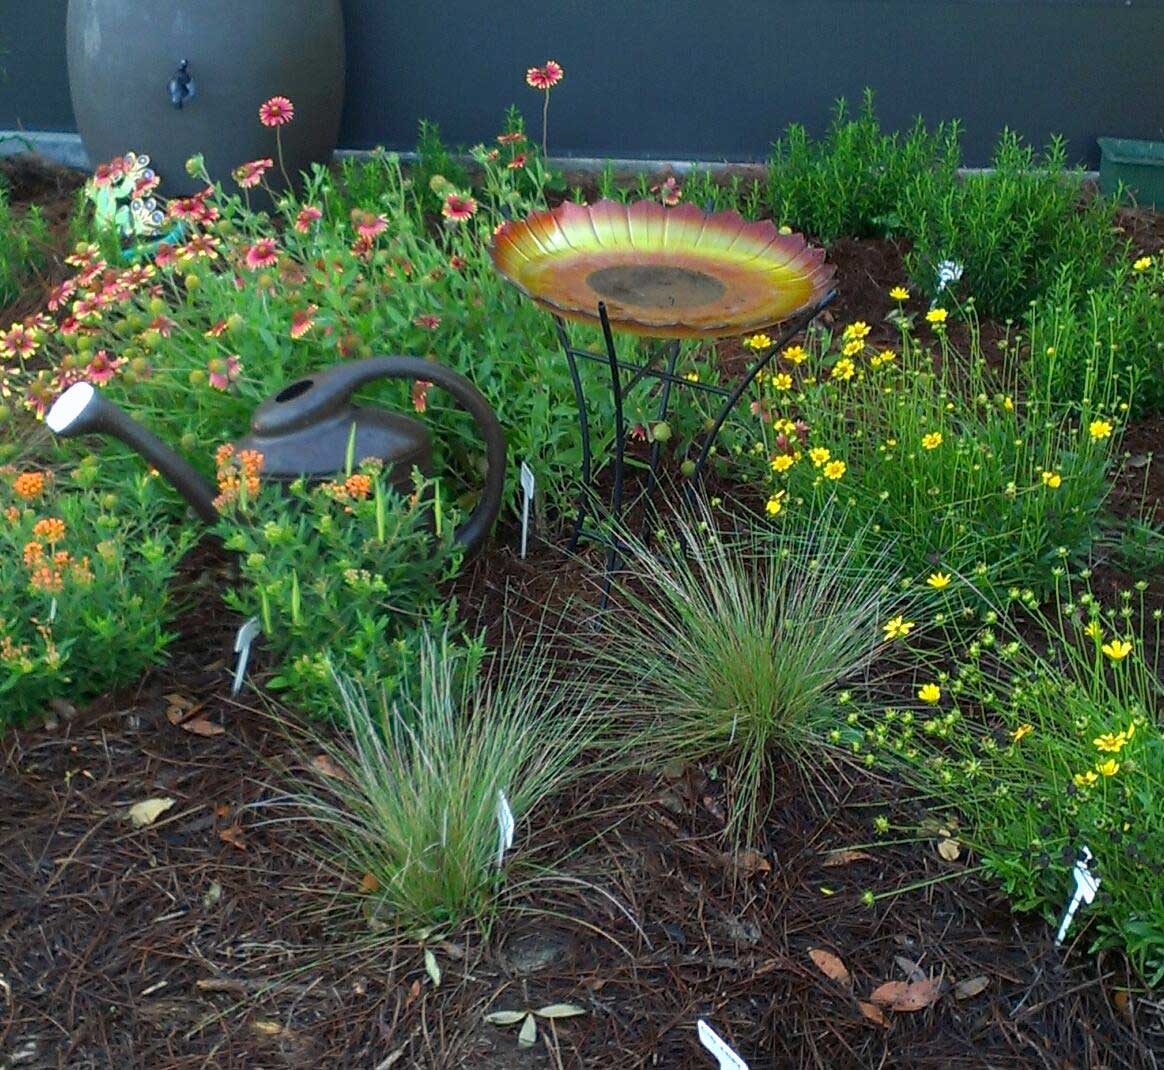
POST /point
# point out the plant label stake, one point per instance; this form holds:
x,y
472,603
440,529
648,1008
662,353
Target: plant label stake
x,y
714,1043
505,827
1086,885
527,488
948,271
242,647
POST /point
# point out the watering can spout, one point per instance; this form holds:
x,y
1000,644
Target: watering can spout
x,y
81,410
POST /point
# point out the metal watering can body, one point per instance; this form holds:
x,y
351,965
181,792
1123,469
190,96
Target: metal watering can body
x,y
308,429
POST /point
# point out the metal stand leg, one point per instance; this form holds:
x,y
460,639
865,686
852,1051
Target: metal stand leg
x,y
584,431
612,559
664,402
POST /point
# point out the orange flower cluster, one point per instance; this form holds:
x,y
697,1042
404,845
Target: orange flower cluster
x,y
48,574
356,487
29,485
235,471
51,529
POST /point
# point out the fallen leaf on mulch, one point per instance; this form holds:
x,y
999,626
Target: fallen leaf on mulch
x,y
324,764
907,996
179,707
560,1010
200,726
845,856
148,811
234,836
949,849
910,968
872,1013
369,884
749,862
266,1027
432,968
971,987
831,966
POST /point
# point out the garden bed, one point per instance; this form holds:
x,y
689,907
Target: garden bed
x,y
216,934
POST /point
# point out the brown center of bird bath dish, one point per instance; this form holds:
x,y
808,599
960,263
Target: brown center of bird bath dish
x,y
655,286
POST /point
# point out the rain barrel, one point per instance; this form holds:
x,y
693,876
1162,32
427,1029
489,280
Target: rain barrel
x,y
124,66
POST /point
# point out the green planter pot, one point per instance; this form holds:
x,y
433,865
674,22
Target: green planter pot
x,y
1138,165
124,70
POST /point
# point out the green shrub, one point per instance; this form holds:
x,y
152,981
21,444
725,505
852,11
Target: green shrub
x,y
958,465
1011,229
1045,739
850,182
1111,332
341,575
84,577
23,240
407,803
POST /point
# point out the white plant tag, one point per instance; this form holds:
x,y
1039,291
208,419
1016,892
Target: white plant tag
x,y
714,1043
505,827
52,611
948,271
242,647
527,487
1086,885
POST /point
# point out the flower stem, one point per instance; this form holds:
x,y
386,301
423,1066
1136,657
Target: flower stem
x,y
545,122
279,153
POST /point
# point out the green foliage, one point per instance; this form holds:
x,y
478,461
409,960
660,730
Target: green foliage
x,y
1110,332
341,575
959,465
739,644
1046,739
407,803
84,575
1012,229
23,240
849,183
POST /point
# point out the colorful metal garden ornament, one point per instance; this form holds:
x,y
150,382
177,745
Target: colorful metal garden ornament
x,y
122,194
665,272
669,273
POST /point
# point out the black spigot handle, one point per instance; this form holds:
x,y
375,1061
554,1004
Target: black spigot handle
x,y
181,86
325,393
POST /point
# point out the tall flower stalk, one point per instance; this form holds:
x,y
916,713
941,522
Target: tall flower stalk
x,y
544,78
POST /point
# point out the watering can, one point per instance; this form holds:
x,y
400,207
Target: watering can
x,y
306,429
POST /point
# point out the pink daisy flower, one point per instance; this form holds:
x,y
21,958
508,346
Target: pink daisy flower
x,y
17,341
545,77
302,320
308,214
163,325
368,224
102,368
457,209
249,175
59,296
216,330
199,245
221,373
263,254
514,138
420,394
669,192
277,111
165,256
362,247
517,162
87,308
428,321
457,263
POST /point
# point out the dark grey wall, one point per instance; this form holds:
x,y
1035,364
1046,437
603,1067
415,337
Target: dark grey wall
x,y
685,79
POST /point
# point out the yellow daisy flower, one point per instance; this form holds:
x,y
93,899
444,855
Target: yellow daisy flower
x,y
1117,649
939,581
932,441
930,693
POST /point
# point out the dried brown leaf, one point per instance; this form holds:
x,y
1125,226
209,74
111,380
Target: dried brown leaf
x,y
872,1013
971,987
907,996
949,849
234,836
831,966
369,884
910,968
327,766
748,862
200,726
846,856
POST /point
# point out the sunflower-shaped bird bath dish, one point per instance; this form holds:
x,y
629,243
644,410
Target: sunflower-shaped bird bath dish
x,y
667,272
670,273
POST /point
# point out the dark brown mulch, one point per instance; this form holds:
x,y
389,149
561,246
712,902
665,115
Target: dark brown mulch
x,y
197,941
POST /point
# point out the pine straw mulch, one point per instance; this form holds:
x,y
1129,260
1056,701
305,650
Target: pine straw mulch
x,y
201,940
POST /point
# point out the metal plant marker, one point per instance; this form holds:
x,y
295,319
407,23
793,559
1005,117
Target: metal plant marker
x,y
667,273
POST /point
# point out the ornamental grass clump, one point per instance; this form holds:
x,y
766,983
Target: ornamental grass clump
x,y
405,804
741,646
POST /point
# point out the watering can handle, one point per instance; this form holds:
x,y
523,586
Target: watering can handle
x,y
326,392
